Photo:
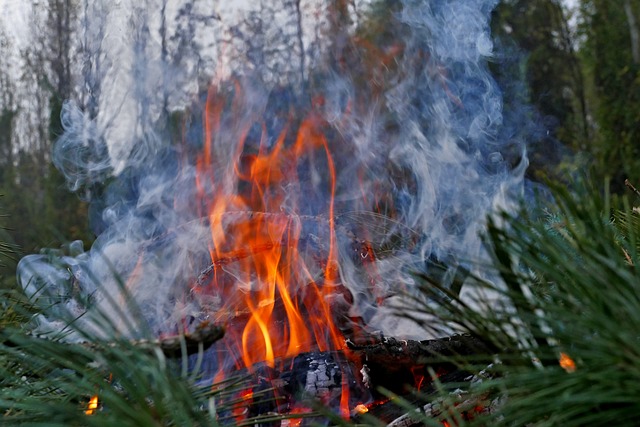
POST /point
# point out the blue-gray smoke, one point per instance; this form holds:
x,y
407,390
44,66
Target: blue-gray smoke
x,y
436,141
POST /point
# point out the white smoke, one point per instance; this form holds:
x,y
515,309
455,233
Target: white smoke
x,y
447,161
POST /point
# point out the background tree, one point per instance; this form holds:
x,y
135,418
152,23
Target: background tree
x,y
42,213
610,52
584,87
536,46
8,111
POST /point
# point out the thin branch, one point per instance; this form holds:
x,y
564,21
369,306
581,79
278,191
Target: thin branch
x,y
634,189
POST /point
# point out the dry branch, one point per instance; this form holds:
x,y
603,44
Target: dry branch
x,y
203,337
631,187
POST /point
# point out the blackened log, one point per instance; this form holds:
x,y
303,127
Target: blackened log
x,y
322,376
459,402
203,337
297,385
407,352
403,365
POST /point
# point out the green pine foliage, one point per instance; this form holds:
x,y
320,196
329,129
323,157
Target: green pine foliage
x,y
50,381
563,334
565,329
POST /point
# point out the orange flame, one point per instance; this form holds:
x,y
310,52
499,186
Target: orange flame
x,y
418,376
567,363
282,306
92,406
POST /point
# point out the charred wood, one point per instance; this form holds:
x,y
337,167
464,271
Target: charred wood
x,y
392,349
203,337
295,385
399,365
452,399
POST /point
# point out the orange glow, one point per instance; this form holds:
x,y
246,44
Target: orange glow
x,y
567,363
294,422
364,408
240,408
418,376
92,406
291,422
361,409
276,301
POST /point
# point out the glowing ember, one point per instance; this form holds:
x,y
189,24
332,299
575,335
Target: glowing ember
x,y
241,407
567,363
92,406
418,377
361,409
291,422
295,422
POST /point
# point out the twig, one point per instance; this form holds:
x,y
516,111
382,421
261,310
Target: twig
x,y
627,256
634,189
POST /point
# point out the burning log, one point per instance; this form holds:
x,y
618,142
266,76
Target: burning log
x,y
296,385
458,404
433,404
395,364
406,351
467,408
349,379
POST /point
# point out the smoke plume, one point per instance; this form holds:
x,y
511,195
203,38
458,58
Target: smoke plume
x,y
421,148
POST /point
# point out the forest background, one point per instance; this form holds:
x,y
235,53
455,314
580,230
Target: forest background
x,y
579,69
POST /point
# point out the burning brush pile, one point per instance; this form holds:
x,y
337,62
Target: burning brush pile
x,y
299,220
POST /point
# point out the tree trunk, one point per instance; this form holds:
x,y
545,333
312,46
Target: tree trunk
x,y
634,32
